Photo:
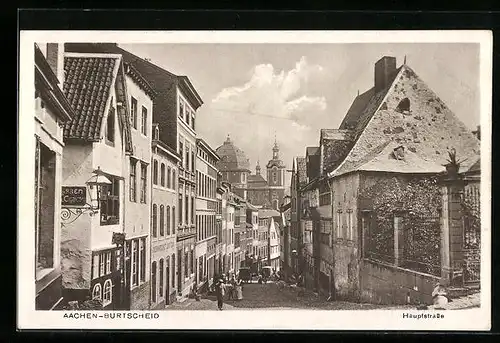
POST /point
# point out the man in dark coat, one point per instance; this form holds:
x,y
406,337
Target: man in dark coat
x,y
219,292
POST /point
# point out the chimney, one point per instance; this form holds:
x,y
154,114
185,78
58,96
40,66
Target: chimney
x,y
384,68
55,58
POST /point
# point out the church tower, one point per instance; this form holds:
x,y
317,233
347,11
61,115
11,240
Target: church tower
x,y
276,177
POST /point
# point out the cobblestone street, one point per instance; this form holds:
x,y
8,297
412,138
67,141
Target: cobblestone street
x,y
269,297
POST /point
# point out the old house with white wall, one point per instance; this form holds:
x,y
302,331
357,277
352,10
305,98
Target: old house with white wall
x,y
98,139
51,112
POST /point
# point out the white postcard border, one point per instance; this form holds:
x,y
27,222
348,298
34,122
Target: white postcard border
x,y
28,318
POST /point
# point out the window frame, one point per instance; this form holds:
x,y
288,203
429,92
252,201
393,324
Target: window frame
x,y
97,289
133,180
114,197
108,285
144,121
162,220
144,181
133,112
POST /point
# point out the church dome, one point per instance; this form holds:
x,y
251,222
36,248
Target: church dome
x,y
232,157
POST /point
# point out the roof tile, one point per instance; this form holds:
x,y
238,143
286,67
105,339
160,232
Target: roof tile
x,y
87,86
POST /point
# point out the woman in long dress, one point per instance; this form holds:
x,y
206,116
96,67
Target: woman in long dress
x,y
239,289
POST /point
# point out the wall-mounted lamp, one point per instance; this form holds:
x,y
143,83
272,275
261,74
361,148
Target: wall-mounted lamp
x,y
74,198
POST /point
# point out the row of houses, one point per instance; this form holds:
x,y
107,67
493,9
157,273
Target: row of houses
x,y
387,205
132,209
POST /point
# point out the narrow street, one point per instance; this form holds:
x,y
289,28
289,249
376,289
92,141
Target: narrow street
x,y
270,297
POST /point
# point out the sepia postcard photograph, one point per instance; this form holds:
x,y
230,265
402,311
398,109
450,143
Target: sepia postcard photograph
x,y
326,180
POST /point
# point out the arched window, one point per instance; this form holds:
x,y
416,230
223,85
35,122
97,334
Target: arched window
x,y
173,179
160,288
108,293
169,184
174,222
96,292
155,215
162,175
153,282
155,172
168,220
162,221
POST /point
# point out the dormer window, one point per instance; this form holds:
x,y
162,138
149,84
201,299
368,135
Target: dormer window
x,y
404,106
399,153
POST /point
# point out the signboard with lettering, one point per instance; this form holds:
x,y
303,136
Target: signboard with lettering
x,y
74,196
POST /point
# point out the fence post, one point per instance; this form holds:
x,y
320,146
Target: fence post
x,y
452,229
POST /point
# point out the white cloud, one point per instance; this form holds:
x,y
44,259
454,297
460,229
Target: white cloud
x,y
273,93
270,103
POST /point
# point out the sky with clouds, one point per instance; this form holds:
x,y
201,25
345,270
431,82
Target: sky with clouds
x,y
256,92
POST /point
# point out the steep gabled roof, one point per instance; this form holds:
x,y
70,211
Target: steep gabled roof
x,y
382,159
428,128
87,86
134,74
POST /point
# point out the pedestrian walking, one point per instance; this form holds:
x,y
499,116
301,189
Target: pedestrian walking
x,y
239,290
219,292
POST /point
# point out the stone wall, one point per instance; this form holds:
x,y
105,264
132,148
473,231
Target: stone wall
x,y
386,284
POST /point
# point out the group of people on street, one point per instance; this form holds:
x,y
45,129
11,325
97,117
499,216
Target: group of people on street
x,y
233,288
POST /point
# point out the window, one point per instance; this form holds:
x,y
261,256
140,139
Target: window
x,y
153,282
192,210
186,264
45,186
187,210
108,263
144,122
180,209
101,265
192,120
154,220
162,221
108,293
169,184
192,161
168,220
349,224
173,179
110,126
188,117
133,193
95,267
339,223
181,108
133,112
160,288
181,151
144,170
186,161
155,172
96,292
135,262
174,223
162,175
110,202
143,259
